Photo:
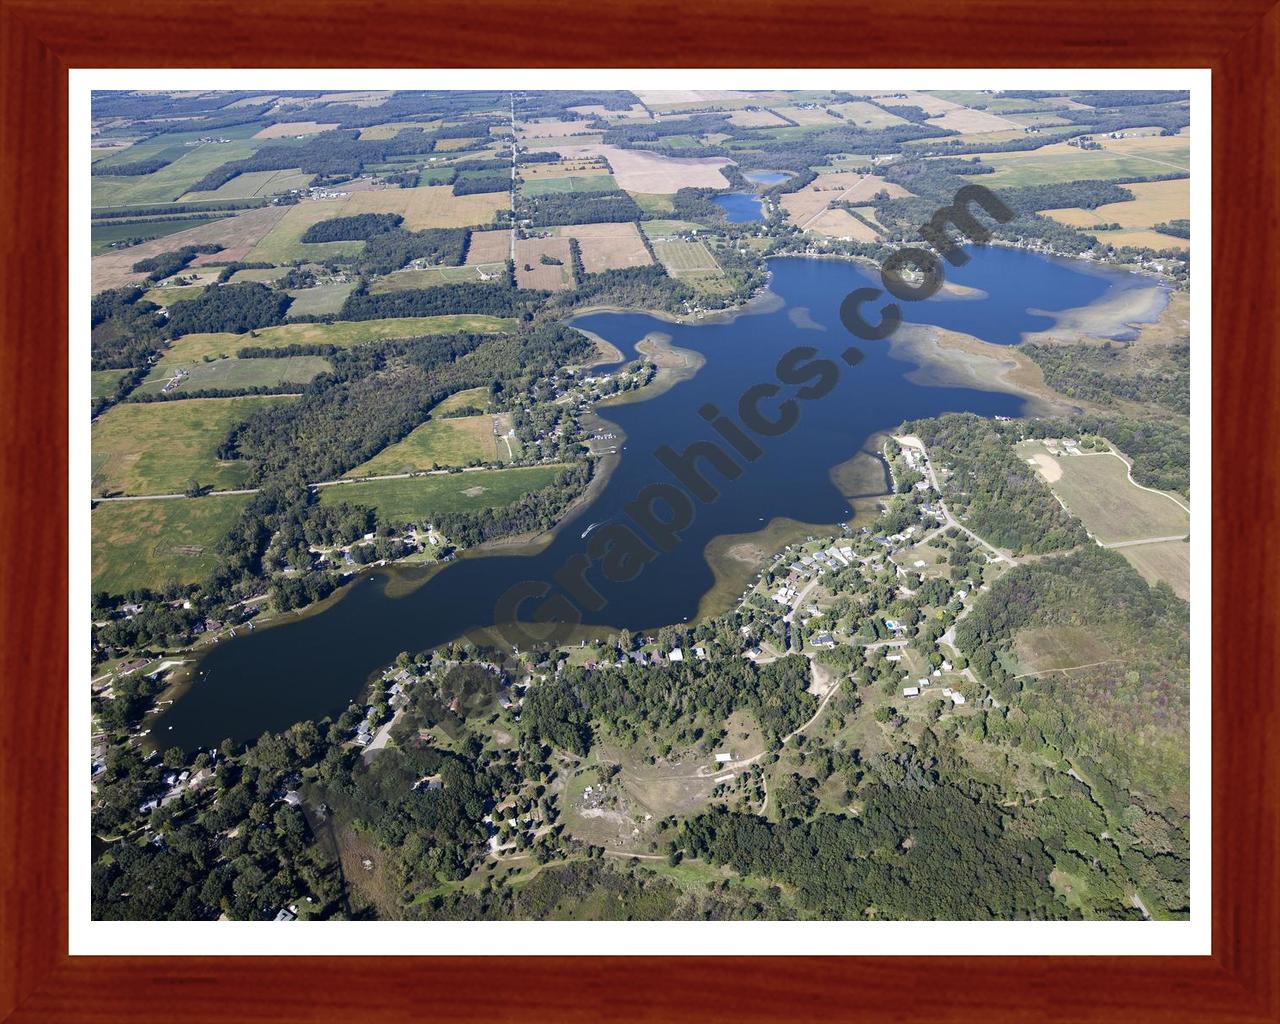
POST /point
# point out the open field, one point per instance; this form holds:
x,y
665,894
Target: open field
x,y
431,277
156,448
291,129
1169,561
103,233
430,206
235,373
581,167
236,234
1052,648
1154,202
170,181
687,259
1174,150
1059,162
867,115
254,183
344,333
322,299
436,444
418,498
655,229
170,294
848,186
608,246
1097,489
969,122
551,128
806,117
489,247
635,112
576,183
151,543
841,224
532,273
755,119
639,171
393,128
103,382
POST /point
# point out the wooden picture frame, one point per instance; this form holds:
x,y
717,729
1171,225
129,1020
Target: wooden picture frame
x,y
41,40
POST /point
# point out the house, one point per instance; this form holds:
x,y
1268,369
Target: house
x,y
286,914
724,757
700,653
823,640
957,698
676,654
911,691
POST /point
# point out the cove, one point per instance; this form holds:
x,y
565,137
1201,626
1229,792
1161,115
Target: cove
x,y
739,207
314,665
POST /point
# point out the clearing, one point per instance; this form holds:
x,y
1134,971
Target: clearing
x,y
415,499
344,333
151,543
438,443
156,447
232,374
1097,488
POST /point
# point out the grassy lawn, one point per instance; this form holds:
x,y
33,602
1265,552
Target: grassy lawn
x,y
453,441
419,498
344,333
168,295
1169,561
654,202
150,543
156,448
236,373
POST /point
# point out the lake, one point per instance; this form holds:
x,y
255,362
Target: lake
x,y
739,207
766,177
313,665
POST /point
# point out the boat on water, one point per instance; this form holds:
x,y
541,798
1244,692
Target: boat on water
x,y
588,530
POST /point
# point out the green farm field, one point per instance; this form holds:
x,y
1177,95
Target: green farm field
x,y
171,181
151,543
344,333
156,447
417,498
452,441
232,373
686,258
255,183
589,183
431,277
322,299
1060,162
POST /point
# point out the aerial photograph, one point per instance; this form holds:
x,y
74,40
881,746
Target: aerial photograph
x,y
604,505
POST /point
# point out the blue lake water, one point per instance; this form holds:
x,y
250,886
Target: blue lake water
x,y
766,177
314,665
739,207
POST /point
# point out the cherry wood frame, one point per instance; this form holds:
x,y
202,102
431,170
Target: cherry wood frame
x,y
41,39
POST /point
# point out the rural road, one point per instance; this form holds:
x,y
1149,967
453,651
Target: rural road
x,y
1145,540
